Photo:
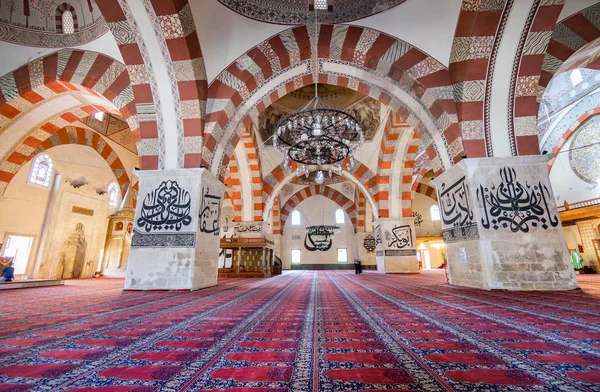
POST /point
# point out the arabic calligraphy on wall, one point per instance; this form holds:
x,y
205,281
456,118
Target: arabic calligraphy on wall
x,y
165,208
249,228
514,205
369,243
210,212
418,219
456,212
400,237
319,238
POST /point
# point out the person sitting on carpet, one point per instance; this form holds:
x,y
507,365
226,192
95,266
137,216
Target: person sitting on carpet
x,y
8,273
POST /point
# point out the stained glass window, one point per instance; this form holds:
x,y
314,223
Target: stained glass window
x,y
41,170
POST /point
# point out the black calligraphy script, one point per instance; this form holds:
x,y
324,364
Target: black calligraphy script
x,y
514,205
318,238
370,243
377,235
454,203
400,238
418,219
210,212
167,207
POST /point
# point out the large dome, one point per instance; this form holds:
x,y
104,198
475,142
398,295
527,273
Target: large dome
x,y
296,12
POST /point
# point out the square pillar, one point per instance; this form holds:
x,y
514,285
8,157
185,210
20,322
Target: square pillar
x,y
396,246
175,244
501,227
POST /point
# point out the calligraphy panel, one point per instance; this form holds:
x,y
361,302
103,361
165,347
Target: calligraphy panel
x,y
210,212
400,237
456,212
163,213
515,205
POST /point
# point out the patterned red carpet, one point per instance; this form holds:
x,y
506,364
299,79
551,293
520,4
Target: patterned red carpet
x,y
303,331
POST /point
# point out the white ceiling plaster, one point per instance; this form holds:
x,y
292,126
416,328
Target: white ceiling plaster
x,y
226,35
573,6
20,55
427,24
26,122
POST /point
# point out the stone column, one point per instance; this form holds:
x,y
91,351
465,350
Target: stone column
x,y
396,245
175,244
366,245
501,227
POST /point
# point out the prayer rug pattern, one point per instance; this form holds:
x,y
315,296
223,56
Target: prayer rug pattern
x,y
301,331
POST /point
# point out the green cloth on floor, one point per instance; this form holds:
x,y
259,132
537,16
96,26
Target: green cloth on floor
x,y
577,260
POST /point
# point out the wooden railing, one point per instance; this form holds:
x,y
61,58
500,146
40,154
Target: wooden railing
x,y
579,204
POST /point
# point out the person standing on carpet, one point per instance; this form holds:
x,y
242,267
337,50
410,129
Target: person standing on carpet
x,y
357,267
8,273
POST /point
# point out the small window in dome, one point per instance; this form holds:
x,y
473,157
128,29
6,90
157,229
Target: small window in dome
x,y
41,170
68,24
99,116
576,77
321,4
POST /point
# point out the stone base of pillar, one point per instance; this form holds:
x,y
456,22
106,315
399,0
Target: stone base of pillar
x,y
396,246
175,244
501,227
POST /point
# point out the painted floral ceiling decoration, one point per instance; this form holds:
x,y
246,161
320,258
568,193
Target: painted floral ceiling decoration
x,y
310,180
365,109
39,22
294,12
584,154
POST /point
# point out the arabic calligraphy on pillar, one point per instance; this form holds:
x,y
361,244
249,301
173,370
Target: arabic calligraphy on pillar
x,y
400,237
515,205
454,203
210,212
166,208
370,243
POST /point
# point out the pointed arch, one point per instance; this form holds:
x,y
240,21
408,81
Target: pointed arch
x,y
72,135
315,190
253,158
416,77
427,190
234,188
182,61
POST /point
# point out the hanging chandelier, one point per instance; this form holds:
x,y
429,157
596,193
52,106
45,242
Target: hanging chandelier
x,y
317,137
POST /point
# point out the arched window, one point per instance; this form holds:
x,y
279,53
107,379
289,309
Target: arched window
x,y
295,218
576,77
41,170
113,194
339,216
68,23
435,213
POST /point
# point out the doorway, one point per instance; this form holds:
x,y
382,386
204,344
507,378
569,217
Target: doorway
x,y
18,247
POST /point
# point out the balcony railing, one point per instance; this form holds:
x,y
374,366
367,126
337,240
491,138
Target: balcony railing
x,y
579,204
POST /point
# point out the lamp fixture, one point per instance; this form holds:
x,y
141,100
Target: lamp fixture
x,y
316,136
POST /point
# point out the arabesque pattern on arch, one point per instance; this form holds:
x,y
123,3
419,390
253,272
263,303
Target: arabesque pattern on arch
x,y
417,74
83,137
478,34
323,190
361,173
426,190
176,35
249,143
234,188
568,37
525,77
62,72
